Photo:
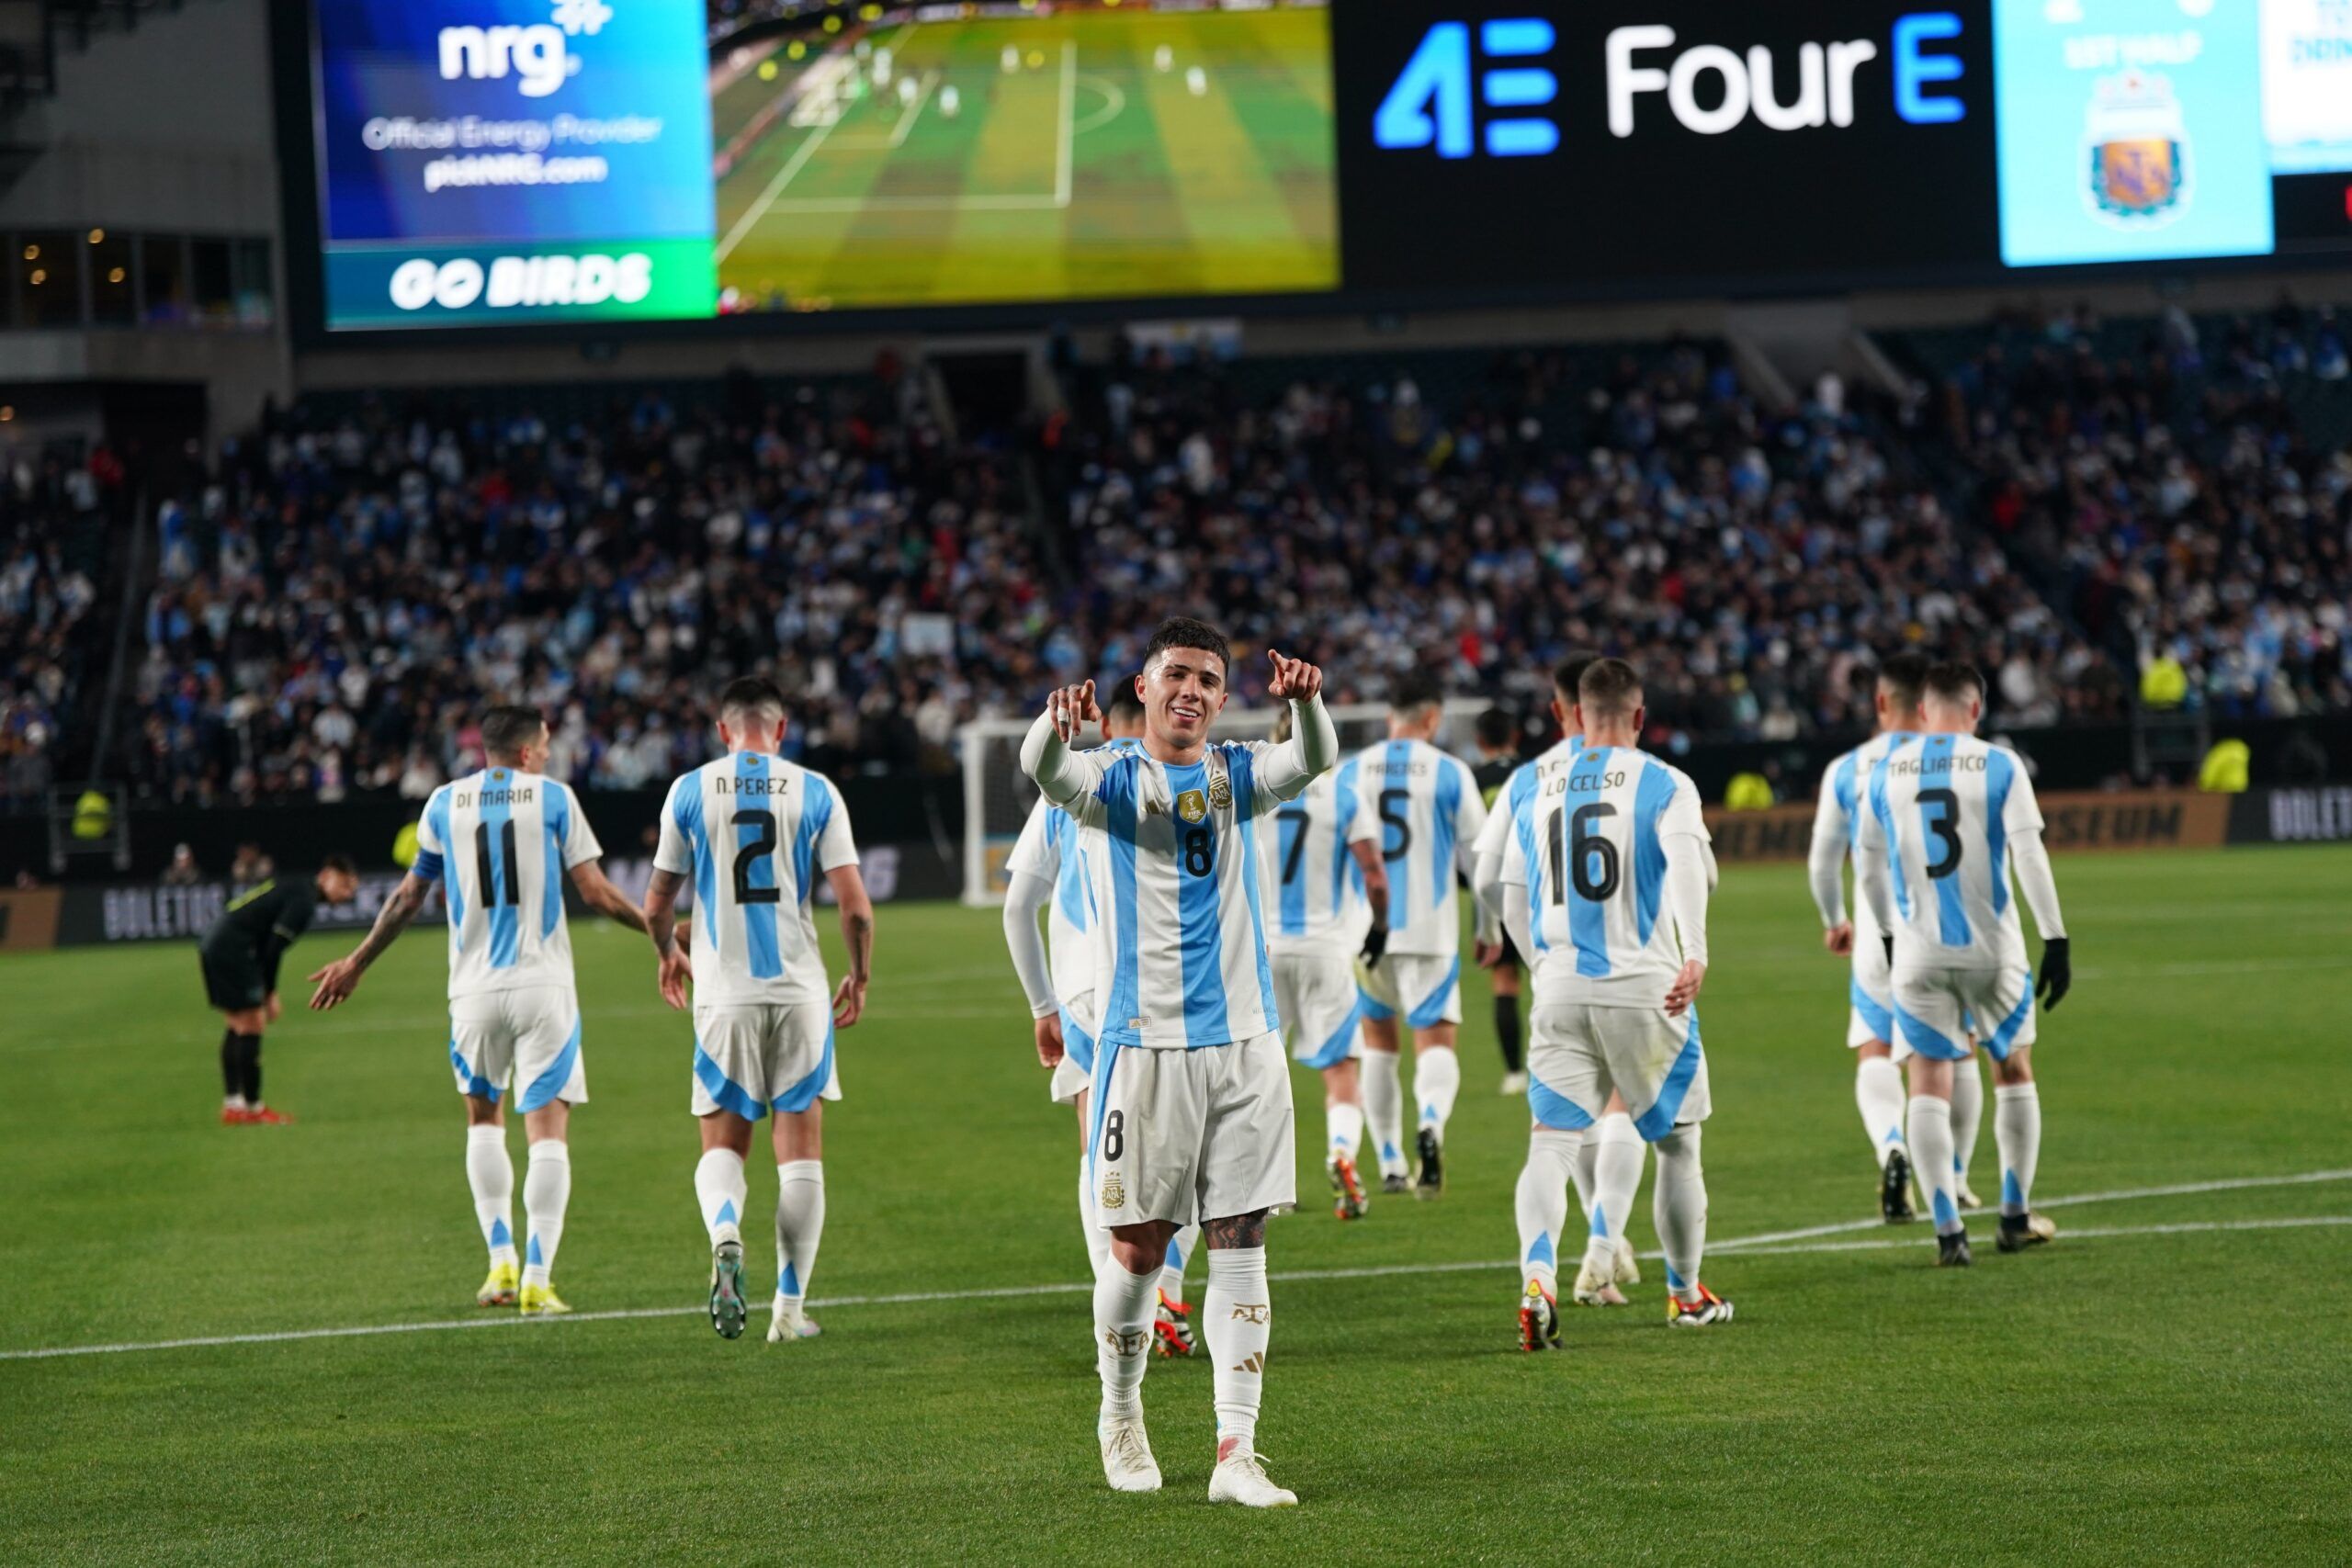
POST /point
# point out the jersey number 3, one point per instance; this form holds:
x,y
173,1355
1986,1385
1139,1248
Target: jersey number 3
x,y
1947,807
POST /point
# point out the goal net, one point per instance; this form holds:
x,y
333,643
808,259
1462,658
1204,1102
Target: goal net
x,y
998,795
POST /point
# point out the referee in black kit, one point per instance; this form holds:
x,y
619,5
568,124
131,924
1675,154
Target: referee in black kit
x,y
241,954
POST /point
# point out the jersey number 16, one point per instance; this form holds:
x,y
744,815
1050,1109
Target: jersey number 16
x,y
1585,860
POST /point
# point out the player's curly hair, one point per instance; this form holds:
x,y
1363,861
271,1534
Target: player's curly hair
x,y
1183,631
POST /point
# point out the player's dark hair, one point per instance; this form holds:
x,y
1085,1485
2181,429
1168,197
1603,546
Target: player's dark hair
x,y
1904,678
751,695
1569,674
1125,706
1413,691
1954,681
507,730
1610,686
1183,631
1497,728
339,863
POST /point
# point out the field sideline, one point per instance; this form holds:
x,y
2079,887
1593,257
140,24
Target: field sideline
x,y
2169,1380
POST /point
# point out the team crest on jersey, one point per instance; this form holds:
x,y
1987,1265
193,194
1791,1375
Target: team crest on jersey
x,y
1114,1191
1220,792
1192,806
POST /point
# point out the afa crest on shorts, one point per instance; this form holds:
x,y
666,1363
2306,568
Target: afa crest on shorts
x,y
1192,805
1114,1191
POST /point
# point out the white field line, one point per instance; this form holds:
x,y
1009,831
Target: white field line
x,y
1066,139
898,136
784,176
1770,1244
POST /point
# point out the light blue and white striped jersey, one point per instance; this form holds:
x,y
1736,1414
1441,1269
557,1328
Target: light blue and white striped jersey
x,y
1050,851
498,842
1943,808
1590,837
1838,816
755,832
1181,941
1314,888
1495,837
1430,813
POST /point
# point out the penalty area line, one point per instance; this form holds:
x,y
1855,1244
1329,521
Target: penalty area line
x,y
1768,1245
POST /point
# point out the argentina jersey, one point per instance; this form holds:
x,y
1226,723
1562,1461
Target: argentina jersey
x,y
1943,809
1050,851
1590,837
1429,813
1845,788
1314,888
498,842
754,833
1181,941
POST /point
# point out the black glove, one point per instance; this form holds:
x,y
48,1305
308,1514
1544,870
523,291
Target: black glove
x,y
2057,976
1888,938
1375,943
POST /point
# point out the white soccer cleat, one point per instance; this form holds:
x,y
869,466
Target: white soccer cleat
x,y
1128,1463
1596,1283
1629,1271
1513,1083
1967,1199
789,1320
1240,1477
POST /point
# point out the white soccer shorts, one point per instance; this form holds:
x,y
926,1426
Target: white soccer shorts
x,y
1576,1053
754,1058
1316,995
1869,995
1423,986
525,1041
1936,1010
1186,1136
1076,1069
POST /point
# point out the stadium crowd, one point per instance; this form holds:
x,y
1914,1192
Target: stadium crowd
x,y
49,504
352,585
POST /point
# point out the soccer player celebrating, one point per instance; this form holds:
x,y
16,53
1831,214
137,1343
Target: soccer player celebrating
x,y
1498,760
241,953
498,843
1947,818
1607,872
1431,813
754,831
1047,871
1192,1116
1328,887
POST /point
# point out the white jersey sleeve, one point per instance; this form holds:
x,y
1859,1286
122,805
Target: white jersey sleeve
x,y
499,842
1945,807
755,833
1429,812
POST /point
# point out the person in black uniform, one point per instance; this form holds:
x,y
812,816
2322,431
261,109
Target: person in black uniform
x,y
1497,755
240,955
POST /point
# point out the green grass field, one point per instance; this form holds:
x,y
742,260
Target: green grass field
x,y
2168,1383
1088,155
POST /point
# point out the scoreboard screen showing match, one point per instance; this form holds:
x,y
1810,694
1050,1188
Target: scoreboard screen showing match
x,y
504,161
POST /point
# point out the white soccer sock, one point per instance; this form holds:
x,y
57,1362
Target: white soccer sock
x,y
1345,1122
1543,1203
546,1192
1180,1252
1930,1121
1437,1080
490,1173
1678,1206
1967,1112
1617,1172
720,1189
1241,1321
1588,1173
799,1222
1098,1240
2017,1133
1878,1095
1123,1310
1384,1109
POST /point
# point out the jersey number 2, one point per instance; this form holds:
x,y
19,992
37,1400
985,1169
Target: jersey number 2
x,y
1947,805
759,849
489,888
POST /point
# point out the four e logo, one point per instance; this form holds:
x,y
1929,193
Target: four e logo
x,y
1430,105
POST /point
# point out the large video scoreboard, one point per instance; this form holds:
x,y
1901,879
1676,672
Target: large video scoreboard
x,y
467,162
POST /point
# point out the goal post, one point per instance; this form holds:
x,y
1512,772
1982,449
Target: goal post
x,y
998,795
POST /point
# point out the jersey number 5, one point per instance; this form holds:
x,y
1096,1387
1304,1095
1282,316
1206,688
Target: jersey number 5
x,y
1393,805
757,850
1586,860
1947,806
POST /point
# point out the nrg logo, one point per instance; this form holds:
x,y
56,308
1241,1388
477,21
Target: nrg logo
x,y
1435,102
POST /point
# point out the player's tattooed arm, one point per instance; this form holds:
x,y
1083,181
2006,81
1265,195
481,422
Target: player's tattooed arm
x,y
597,891
672,969
1237,1230
339,979
857,935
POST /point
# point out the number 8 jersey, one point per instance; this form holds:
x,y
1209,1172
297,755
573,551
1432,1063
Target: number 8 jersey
x,y
754,833
1943,809
1590,843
